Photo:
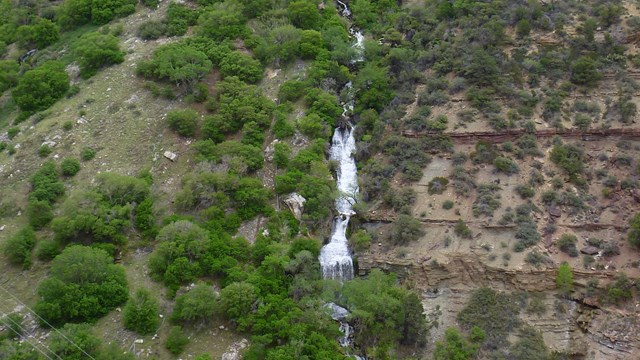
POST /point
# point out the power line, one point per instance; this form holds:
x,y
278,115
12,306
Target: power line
x,y
46,322
23,330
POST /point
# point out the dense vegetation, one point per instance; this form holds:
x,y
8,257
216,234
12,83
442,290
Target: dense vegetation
x,y
416,58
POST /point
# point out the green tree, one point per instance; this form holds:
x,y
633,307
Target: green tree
x,y
39,213
455,347
178,63
243,66
372,83
45,32
41,87
141,313
8,74
176,340
237,301
83,285
18,248
224,20
634,231
584,71
304,14
69,166
95,50
184,122
197,305
564,279
74,342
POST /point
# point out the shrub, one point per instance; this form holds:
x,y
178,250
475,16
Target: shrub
x,y
69,166
619,290
405,229
487,201
44,151
85,276
361,240
41,87
584,71
141,313
75,341
535,258
564,278
197,305
12,132
525,191
47,249
505,165
447,204
243,66
462,230
176,340
87,154
184,122
18,248
39,213
152,30
45,184
494,312
634,231
437,185
527,234
567,244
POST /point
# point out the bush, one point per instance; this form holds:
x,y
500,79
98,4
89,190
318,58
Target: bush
x,y
243,66
75,342
176,340
79,276
39,213
44,151
567,244
45,184
437,185
237,301
184,122
564,278
505,165
152,30
87,154
69,166
12,132
525,191
494,312
41,87
197,305
95,50
584,71
18,248
47,249
141,313
447,204
462,230
405,229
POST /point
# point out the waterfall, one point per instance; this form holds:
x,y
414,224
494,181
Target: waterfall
x,y
335,257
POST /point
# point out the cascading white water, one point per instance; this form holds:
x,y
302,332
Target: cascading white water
x,y
335,257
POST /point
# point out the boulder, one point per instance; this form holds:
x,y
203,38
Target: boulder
x,y
590,250
270,150
295,203
170,155
555,212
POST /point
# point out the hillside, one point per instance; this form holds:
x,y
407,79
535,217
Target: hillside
x,y
176,179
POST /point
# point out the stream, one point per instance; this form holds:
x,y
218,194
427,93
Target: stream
x,y
335,257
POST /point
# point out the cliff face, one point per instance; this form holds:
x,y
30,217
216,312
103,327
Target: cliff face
x,y
576,326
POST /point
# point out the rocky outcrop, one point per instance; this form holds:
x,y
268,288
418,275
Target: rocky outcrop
x,y
295,203
467,269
